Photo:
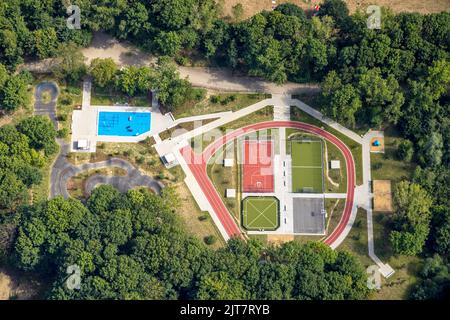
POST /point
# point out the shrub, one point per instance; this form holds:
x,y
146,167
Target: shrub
x,y
210,240
63,133
214,99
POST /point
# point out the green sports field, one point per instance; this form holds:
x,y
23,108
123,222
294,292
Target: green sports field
x,y
307,173
260,213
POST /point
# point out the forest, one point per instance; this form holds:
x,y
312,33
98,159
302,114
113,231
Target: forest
x,y
397,76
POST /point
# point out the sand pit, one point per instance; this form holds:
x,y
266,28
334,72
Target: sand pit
x,y
382,200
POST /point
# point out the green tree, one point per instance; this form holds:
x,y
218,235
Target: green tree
x,y
168,43
41,132
220,286
103,71
405,150
69,63
45,42
238,12
411,218
12,190
290,9
134,80
336,9
14,93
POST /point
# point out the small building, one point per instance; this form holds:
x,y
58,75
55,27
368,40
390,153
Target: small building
x,y
228,162
82,144
230,193
335,164
169,159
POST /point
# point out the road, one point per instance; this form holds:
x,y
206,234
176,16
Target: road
x,y
197,163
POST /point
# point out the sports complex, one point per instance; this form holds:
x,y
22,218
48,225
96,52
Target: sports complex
x,y
280,189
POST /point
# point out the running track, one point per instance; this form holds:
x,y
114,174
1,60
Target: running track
x,y
198,162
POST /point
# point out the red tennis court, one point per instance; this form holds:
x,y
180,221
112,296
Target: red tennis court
x,y
258,166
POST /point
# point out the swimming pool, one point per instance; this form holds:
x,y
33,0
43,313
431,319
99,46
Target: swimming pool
x,y
124,124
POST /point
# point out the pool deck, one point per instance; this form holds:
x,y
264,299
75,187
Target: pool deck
x,y
85,122
84,125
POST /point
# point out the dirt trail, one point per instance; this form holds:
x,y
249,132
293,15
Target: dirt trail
x,y
220,79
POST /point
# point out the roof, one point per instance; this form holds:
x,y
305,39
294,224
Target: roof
x,y
228,162
82,144
231,193
335,164
169,157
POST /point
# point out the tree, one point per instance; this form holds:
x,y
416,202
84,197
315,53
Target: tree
x,y
220,286
382,98
168,43
411,218
12,190
103,71
171,90
290,9
134,80
336,9
238,12
134,21
405,150
69,63
344,103
41,132
431,150
172,14
14,93
46,42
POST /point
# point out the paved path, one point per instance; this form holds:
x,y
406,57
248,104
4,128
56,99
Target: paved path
x,y
47,109
133,178
197,164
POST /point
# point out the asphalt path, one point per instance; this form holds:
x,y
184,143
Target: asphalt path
x,y
198,165
49,108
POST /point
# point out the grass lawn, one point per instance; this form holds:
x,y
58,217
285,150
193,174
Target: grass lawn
x,y
105,97
197,223
70,96
337,176
260,213
225,102
225,178
406,268
307,166
41,191
265,114
355,148
386,166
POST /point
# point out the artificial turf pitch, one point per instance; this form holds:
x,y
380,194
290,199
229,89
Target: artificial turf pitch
x,y
307,173
260,213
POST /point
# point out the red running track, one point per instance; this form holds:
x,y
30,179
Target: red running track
x,y
197,164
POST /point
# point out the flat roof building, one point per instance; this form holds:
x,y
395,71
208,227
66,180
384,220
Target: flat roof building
x,y
230,193
335,164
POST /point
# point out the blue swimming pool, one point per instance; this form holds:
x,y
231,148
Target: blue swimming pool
x,y
123,124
